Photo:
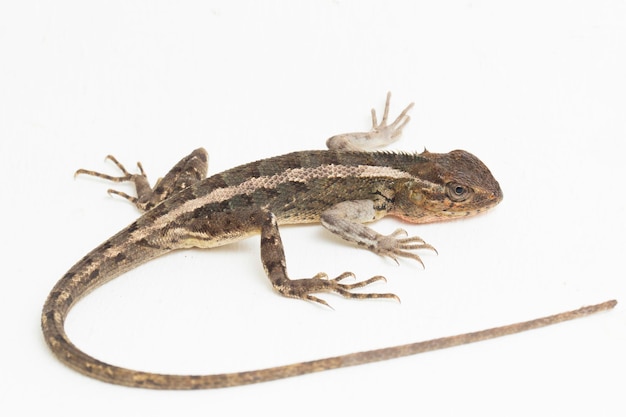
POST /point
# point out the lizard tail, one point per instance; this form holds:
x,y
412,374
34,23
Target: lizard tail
x,y
60,302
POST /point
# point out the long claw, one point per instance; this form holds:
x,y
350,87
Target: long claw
x,y
318,300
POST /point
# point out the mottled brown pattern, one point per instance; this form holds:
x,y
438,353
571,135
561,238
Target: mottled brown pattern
x,y
341,187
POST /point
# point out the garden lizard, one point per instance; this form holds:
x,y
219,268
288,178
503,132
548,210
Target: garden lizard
x,y
343,188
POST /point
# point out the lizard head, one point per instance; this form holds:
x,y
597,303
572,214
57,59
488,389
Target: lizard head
x,y
446,186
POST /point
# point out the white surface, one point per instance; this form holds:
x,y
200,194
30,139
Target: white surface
x,y
535,89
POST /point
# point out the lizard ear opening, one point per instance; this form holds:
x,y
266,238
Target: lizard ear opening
x,y
416,196
458,192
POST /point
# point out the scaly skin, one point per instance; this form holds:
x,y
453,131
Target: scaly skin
x,y
342,188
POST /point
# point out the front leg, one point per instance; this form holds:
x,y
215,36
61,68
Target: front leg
x,y
346,220
273,258
381,134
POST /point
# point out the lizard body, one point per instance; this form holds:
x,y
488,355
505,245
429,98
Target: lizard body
x,y
342,188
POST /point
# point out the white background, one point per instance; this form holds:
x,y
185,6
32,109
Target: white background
x,y
536,89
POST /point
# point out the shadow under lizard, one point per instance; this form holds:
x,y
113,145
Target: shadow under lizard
x,y
342,188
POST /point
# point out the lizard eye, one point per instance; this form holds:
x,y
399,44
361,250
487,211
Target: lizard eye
x,y
457,192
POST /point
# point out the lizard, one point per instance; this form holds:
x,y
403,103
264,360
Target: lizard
x,y
344,187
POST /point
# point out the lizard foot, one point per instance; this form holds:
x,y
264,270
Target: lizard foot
x,y
304,288
397,244
187,171
140,180
389,133
381,134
